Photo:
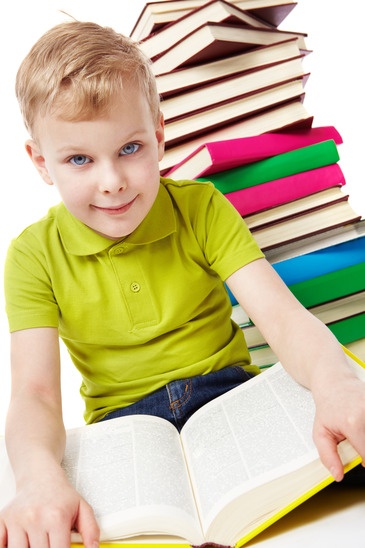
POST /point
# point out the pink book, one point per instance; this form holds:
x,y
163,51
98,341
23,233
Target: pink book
x,y
284,190
215,156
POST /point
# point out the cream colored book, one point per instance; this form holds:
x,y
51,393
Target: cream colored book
x,y
240,463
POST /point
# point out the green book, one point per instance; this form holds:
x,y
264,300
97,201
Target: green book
x,y
281,165
349,329
330,286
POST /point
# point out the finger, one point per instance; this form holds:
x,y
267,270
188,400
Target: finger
x,y
87,526
17,538
327,449
3,535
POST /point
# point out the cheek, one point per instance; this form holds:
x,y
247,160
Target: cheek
x,y
74,195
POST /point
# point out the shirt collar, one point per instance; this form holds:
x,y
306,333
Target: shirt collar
x,y
79,239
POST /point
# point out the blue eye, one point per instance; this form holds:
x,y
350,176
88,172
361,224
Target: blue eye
x,y
79,160
128,149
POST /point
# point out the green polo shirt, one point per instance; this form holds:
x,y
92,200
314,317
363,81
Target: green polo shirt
x,y
138,312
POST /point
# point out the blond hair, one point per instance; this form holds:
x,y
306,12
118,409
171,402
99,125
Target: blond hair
x,y
76,68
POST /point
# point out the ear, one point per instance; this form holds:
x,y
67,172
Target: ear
x,y
38,160
160,136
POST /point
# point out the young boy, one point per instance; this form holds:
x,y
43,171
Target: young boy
x,y
129,271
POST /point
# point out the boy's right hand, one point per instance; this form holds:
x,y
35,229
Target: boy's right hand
x,y
43,516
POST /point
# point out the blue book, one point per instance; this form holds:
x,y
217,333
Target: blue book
x,y
314,264
322,261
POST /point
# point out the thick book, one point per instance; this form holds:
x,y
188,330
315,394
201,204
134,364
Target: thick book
x,y
215,11
345,319
326,287
315,242
293,209
184,79
233,87
213,41
356,347
156,15
281,165
330,286
329,312
328,259
290,116
286,189
219,481
215,156
338,213
349,329
232,110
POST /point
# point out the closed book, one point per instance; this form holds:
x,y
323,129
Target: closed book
x,y
225,89
155,15
350,329
214,41
356,347
322,261
219,115
263,356
337,213
286,189
289,116
216,11
328,312
280,165
180,80
344,317
215,156
330,286
295,208
315,242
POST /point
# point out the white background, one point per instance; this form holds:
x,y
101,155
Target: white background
x,y
334,96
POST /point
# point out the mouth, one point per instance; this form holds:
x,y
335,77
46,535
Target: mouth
x,y
115,210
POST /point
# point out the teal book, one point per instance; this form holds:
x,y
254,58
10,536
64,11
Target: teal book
x,y
282,165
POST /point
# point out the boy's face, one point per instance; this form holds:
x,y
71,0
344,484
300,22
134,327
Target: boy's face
x,y
106,169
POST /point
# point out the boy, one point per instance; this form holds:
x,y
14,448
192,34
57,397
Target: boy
x,y
128,270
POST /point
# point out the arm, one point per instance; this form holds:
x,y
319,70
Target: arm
x,y
311,354
46,505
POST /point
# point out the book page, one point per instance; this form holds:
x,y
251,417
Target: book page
x,y
247,437
132,472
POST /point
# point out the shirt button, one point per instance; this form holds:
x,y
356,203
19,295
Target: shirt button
x,y
135,287
119,250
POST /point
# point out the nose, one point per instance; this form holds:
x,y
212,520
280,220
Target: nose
x,y
111,179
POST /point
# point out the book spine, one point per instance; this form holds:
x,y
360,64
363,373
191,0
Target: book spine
x,y
279,191
281,165
350,329
323,261
235,152
333,285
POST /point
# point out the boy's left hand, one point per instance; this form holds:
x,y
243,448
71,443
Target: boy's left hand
x,y
340,414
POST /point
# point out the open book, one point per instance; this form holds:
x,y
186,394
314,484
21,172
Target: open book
x,y
240,463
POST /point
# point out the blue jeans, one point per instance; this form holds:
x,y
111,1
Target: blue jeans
x,y
178,400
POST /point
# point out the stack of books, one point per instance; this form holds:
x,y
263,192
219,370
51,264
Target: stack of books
x,y
232,94
289,188
223,71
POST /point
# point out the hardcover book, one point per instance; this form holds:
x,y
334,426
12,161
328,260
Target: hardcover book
x,y
214,156
281,165
213,41
290,116
156,15
219,481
